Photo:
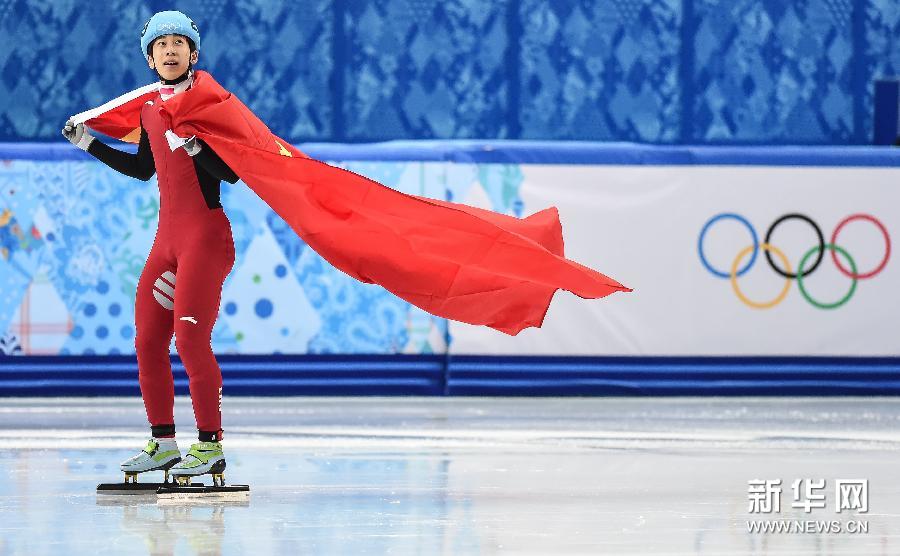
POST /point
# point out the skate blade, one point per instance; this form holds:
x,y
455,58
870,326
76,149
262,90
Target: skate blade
x,y
115,489
200,491
229,500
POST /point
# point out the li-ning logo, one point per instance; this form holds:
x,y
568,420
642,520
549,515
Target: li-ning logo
x,y
785,269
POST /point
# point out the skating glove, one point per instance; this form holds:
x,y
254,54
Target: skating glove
x,y
78,135
191,145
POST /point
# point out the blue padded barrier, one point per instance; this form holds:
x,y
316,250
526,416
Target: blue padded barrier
x,y
243,375
564,376
420,375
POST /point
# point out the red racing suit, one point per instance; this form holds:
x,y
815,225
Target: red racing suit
x,y
180,288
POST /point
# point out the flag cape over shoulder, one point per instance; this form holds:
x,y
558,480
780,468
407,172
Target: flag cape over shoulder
x,y
452,260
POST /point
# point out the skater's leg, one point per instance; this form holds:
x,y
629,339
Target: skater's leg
x,y
154,325
197,297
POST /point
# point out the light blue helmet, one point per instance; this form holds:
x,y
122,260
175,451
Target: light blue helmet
x,y
169,23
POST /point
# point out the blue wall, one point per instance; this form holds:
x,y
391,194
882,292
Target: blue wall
x,y
74,235
664,71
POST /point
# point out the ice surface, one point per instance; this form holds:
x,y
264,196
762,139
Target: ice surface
x,y
456,476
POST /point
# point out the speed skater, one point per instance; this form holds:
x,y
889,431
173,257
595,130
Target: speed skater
x,y
180,287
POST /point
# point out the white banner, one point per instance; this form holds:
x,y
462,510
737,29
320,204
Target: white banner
x,y
642,226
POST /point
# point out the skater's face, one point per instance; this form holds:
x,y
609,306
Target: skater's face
x,y
171,55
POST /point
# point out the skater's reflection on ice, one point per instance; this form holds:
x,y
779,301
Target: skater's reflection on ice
x,y
165,525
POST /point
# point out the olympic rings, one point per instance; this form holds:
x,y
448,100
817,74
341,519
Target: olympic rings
x,y
784,270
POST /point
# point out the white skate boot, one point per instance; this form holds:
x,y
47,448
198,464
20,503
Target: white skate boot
x,y
204,458
159,455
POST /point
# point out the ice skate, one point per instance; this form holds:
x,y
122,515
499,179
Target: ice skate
x,y
161,454
204,458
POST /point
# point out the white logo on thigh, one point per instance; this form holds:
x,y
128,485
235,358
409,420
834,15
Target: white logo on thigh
x,y
164,290
189,319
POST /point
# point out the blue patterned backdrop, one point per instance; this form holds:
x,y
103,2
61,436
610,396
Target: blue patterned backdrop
x,y
665,71
74,237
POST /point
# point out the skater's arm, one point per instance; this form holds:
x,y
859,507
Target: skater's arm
x,y
138,165
212,163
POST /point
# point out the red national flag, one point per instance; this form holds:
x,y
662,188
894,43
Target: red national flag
x,y
452,260
121,117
